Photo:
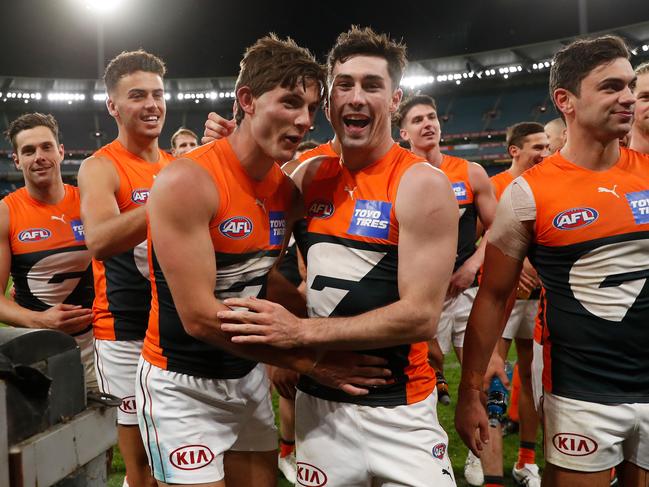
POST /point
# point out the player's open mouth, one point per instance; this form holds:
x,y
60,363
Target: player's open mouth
x,y
428,134
357,121
151,118
293,139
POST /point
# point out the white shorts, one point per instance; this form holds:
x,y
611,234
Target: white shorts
x,y
116,366
521,322
85,341
453,320
537,374
590,437
188,423
347,445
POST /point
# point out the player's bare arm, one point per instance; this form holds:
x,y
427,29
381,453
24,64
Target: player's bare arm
x,y
485,203
427,247
107,231
67,318
184,249
506,248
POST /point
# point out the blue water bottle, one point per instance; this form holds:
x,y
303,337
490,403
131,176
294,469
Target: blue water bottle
x,y
497,398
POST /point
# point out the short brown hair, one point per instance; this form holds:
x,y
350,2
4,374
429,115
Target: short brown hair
x,y
29,121
642,68
182,131
365,42
516,133
128,62
408,104
271,62
573,63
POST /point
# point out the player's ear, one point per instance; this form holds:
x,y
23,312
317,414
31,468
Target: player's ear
x,y
14,156
245,100
112,109
395,100
563,99
513,150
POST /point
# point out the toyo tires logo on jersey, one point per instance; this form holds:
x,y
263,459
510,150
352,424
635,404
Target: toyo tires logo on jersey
x,y
575,218
140,196
236,227
34,235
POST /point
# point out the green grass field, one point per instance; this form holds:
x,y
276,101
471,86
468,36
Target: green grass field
x,y
456,449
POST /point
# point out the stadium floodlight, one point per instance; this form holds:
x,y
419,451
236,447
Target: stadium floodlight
x,y
645,47
99,96
167,96
102,6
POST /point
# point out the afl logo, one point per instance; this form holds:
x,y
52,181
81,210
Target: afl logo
x,y
140,196
574,445
310,475
321,209
575,218
34,235
191,457
439,450
236,227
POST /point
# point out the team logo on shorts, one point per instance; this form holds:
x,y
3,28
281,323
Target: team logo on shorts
x,y
321,209
439,450
371,219
277,224
140,196
191,457
639,203
460,191
77,230
574,445
310,476
128,405
236,227
34,235
575,218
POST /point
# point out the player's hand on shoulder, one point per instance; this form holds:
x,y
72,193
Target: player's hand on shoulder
x,y
351,372
68,318
217,127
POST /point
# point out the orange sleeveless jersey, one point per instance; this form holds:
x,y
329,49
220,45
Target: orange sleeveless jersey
x,y
590,249
122,289
247,234
500,181
352,262
457,171
325,149
49,260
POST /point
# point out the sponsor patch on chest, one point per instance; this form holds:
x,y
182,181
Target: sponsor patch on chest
x,y
575,218
77,230
371,219
277,224
320,209
639,203
459,189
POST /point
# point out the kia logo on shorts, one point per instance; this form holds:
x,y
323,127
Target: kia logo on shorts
x,y
236,227
310,476
439,450
321,209
191,457
140,196
574,445
128,405
34,235
575,218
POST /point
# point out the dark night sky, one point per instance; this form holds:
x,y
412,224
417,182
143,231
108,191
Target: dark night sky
x,y
201,38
